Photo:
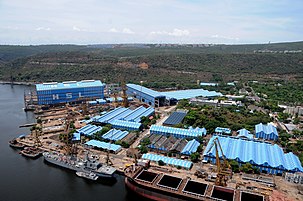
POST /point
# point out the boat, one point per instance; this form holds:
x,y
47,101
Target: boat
x,y
88,175
31,152
76,164
15,144
163,186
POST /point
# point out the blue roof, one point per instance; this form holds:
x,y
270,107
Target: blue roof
x,y
245,133
190,147
176,132
126,114
190,93
127,125
69,85
76,137
209,84
255,152
89,129
104,145
175,118
115,135
145,90
222,130
168,160
267,129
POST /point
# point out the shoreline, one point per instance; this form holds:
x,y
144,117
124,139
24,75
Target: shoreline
x,y
18,83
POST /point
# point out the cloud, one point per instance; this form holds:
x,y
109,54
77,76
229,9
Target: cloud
x,y
76,28
175,32
127,31
224,37
113,30
43,29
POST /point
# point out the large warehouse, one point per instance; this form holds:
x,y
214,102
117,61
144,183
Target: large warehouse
x,y
155,98
70,91
265,156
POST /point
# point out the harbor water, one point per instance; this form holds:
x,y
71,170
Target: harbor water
x,y
23,179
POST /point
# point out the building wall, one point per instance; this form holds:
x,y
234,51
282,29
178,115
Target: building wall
x,y
56,96
270,136
262,168
141,96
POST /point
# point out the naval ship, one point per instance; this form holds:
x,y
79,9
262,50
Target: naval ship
x,y
90,163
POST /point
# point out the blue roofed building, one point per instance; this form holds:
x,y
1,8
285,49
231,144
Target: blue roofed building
x,y
190,147
266,131
168,160
221,130
265,156
70,91
104,145
176,132
243,133
146,95
156,99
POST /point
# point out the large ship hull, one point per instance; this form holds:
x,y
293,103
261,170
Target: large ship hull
x,y
155,194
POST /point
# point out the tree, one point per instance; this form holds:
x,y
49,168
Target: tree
x,y
143,149
234,166
194,157
145,141
247,168
161,163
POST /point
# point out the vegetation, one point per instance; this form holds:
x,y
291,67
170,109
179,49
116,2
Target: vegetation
x,y
283,91
194,157
161,163
176,67
230,117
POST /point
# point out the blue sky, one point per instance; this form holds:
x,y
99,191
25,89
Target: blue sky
x,y
150,21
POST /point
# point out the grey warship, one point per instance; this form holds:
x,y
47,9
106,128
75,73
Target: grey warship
x,y
76,164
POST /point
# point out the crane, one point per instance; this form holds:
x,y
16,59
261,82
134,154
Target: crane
x,y
223,169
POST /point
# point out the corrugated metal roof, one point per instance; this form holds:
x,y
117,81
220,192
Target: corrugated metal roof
x,y
104,145
176,132
245,133
145,90
267,129
190,93
69,85
222,130
255,152
190,147
168,160
115,135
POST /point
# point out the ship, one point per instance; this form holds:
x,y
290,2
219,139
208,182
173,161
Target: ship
x,y
15,144
161,186
79,165
88,175
31,152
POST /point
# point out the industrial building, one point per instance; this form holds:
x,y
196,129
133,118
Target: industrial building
x,y
125,118
104,145
243,133
267,132
169,161
265,156
177,132
157,99
70,91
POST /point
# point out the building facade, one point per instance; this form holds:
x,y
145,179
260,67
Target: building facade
x,y
70,91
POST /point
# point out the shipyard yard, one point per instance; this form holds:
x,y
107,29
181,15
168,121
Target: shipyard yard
x,y
72,129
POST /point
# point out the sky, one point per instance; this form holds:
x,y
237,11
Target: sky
x,y
33,22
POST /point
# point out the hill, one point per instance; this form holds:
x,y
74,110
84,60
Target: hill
x,y
159,65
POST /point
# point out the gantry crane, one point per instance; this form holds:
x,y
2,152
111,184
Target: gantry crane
x,y
223,169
